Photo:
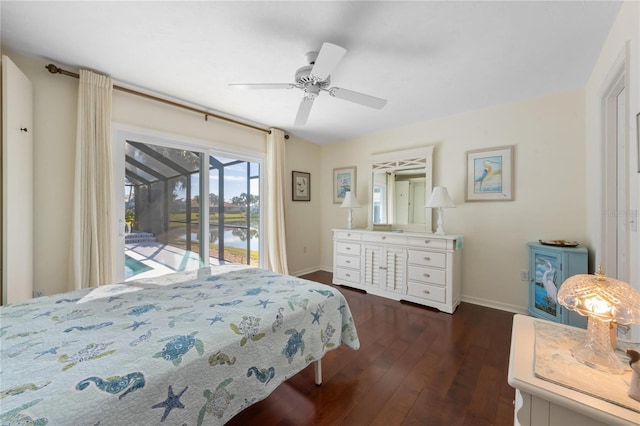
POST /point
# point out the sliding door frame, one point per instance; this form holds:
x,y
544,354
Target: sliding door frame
x,y
122,132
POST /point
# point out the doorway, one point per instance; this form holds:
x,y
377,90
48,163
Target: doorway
x,y
615,226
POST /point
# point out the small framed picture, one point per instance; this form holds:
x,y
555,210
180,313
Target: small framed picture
x,y
301,190
489,174
344,179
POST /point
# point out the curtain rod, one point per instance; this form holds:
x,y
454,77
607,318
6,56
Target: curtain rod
x,y
53,69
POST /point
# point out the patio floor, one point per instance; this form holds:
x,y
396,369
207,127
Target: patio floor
x,y
162,259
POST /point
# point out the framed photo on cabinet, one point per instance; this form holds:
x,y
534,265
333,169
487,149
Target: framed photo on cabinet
x,y
344,180
489,174
301,186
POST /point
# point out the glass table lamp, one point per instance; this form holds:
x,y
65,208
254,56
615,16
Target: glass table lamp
x,y
350,203
604,301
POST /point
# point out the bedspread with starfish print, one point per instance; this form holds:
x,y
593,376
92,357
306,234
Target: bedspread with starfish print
x,y
179,349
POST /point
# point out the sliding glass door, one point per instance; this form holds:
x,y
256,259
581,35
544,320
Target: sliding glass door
x,y
234,223
186,208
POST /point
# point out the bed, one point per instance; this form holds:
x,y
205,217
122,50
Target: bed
x,y
181,349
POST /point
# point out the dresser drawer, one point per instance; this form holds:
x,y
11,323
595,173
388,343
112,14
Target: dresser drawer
x,y
347,235
431,243
427,258
348,248
351,275
348,262
426,291
386,238
427,275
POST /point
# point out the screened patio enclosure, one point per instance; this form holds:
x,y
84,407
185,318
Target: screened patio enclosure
x,y
164,203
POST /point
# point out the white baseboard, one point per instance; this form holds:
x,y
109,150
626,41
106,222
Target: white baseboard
x,y
305,271
495,305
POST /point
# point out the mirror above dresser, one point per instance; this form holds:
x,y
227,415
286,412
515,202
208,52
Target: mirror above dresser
x,y
401,182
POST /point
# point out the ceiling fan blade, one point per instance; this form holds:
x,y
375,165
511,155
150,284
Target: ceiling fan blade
x,y
357,97
328,58
303,110
258,86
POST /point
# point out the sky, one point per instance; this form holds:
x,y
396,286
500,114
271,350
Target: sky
x,y
235,183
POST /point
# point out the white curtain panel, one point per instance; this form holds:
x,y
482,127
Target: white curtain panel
x,y
93,237
276,236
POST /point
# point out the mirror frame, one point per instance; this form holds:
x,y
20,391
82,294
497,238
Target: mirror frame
x,y
416,158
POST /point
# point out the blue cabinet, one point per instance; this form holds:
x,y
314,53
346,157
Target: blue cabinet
x,y
549,267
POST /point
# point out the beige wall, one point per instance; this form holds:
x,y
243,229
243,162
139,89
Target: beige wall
x,y
54,123
55,99
303,217
495,233
550,194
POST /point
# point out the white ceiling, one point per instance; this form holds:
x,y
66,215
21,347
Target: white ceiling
x,y
429,59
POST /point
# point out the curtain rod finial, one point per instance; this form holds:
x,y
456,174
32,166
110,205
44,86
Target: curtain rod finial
x,y
53,69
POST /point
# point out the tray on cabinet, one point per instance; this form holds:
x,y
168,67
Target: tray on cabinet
x,y
559,243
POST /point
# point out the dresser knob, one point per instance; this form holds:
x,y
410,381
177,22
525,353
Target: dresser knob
x,y
348,248
426,291
384,237
426,275
348,261
348,275
427,241
427,258
348,235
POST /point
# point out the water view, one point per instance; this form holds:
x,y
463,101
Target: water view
x,y
230,240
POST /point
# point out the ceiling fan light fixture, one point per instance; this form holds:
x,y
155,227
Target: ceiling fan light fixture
x,y
312,90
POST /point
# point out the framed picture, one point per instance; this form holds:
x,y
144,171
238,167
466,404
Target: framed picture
x,y
344,179
301,186
489,174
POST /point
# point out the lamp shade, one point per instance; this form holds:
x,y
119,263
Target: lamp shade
x,y
601,297
350,200
439,198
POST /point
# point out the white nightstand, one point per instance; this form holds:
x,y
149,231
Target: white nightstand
x,y
540,402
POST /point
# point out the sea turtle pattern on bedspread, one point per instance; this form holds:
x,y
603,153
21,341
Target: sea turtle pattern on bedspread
x,y
176,350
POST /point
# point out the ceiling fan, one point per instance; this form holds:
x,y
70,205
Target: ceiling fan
x,y
314,78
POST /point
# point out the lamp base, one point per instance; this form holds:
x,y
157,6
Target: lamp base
x,y
440,230
596,351
349,221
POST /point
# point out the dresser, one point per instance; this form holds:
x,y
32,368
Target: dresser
x,y
417,267
541,402
549,267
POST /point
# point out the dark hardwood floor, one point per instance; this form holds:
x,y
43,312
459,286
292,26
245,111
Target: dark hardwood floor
x,y
415,366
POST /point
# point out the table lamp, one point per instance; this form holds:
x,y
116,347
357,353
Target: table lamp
x,y
604,301
350,203
440,199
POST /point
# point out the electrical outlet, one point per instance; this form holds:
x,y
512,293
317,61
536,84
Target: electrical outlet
x,y
38,293
524,275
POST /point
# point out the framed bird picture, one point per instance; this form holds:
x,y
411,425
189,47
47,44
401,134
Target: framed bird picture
x,y
489,174
301,186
